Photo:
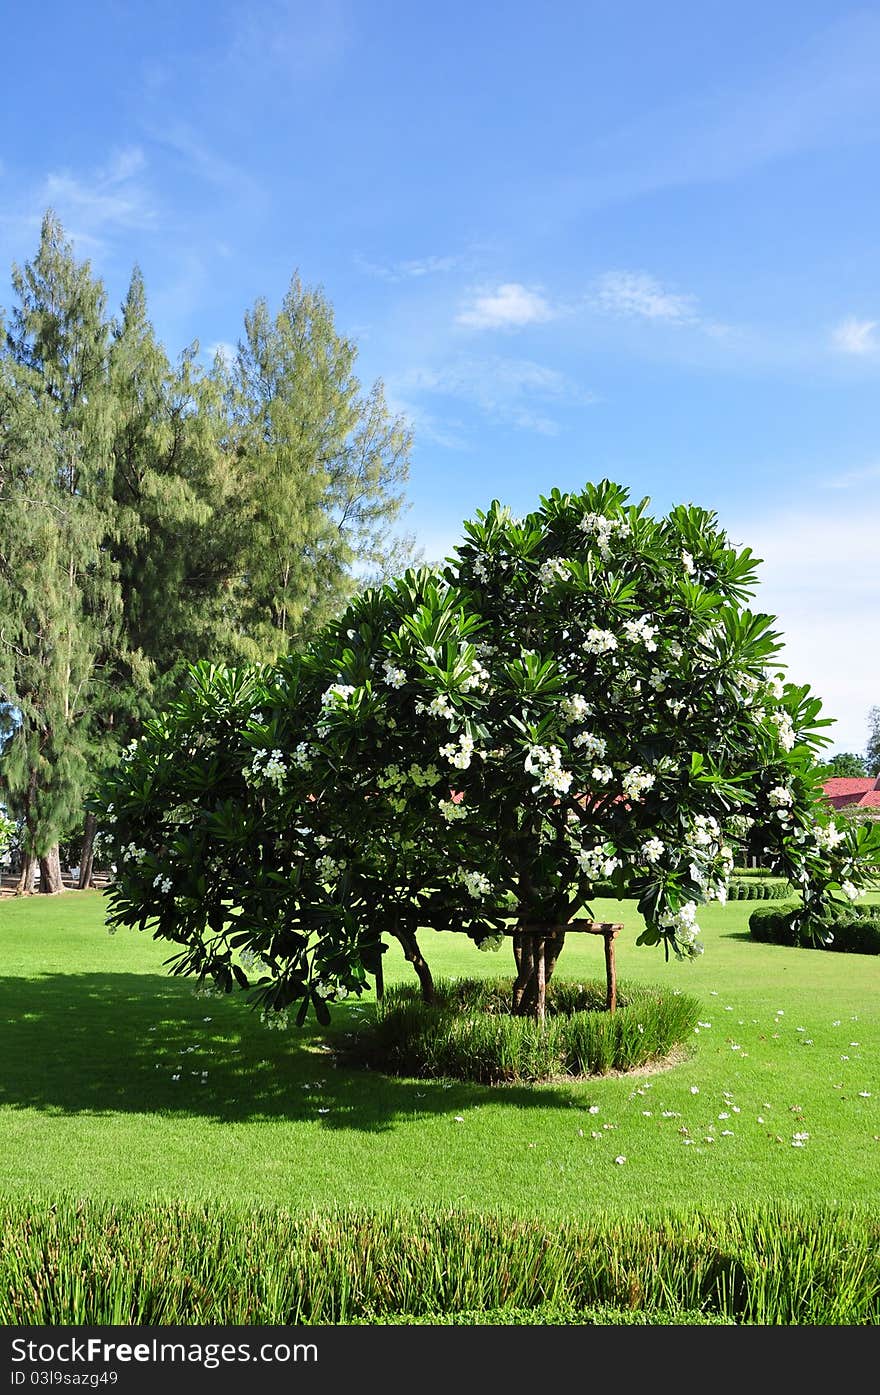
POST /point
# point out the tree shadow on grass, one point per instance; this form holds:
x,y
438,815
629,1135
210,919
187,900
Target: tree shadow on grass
x,y
147,1044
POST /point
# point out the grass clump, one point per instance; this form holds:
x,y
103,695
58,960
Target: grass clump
x,y
469,1032
175,1263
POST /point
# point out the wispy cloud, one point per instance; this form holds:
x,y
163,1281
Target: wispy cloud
x,y
206,163
638,294
854,336
517,392
113,197
509,306
406,270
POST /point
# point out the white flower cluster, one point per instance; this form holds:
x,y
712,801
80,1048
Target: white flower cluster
x,y
827,838
850,891
599,641
328,868
780,797
451,810
552,570
545,763
592,745
706,830
267,767
687,562
251,960
133,851
163,883
476,679
636,782
394,677
598,862
657,680
684,923
476,883
439,706
602,774
653,849
641,630
460,756
782,721
337,695
481,570
603,528
275,1021
575,708
302,756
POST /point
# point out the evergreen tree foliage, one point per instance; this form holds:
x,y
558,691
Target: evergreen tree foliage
x,y
59,598
322,469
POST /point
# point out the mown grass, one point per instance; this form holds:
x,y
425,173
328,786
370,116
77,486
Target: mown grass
x,y
118,1083
469,1033
182,1264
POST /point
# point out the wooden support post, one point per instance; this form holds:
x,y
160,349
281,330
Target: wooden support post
x,y
610,971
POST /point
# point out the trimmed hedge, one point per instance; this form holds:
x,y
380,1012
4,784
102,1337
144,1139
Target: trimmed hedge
x,y
746,884
856,931
758,889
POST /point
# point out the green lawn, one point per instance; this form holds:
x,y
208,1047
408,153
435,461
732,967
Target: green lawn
x,y
117,1081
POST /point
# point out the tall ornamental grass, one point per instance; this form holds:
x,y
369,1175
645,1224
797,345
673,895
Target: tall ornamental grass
x,y
177,1263
469,1033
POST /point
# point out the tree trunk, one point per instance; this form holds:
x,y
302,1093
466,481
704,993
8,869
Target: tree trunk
x,y
536,957
87,861
414,956
51,882
25,883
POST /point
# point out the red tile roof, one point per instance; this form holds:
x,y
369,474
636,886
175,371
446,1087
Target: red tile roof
x,y
842,790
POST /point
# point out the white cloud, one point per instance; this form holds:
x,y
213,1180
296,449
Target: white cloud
x,y
854,336
406,270
510,306
637,293
112,196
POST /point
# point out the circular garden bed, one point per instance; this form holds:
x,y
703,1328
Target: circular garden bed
x,y
469,1032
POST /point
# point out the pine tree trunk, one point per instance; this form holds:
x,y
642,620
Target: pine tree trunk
x,y
87,861
51,881
25,884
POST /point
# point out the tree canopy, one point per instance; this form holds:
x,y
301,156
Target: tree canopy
x,y
577,699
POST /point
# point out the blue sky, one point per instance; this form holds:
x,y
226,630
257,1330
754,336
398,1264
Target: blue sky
x,y
577,240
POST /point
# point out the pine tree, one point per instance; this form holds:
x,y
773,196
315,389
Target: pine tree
x,y
59,598
321,470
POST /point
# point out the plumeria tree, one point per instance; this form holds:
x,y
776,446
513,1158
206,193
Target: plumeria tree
x,y
578,697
